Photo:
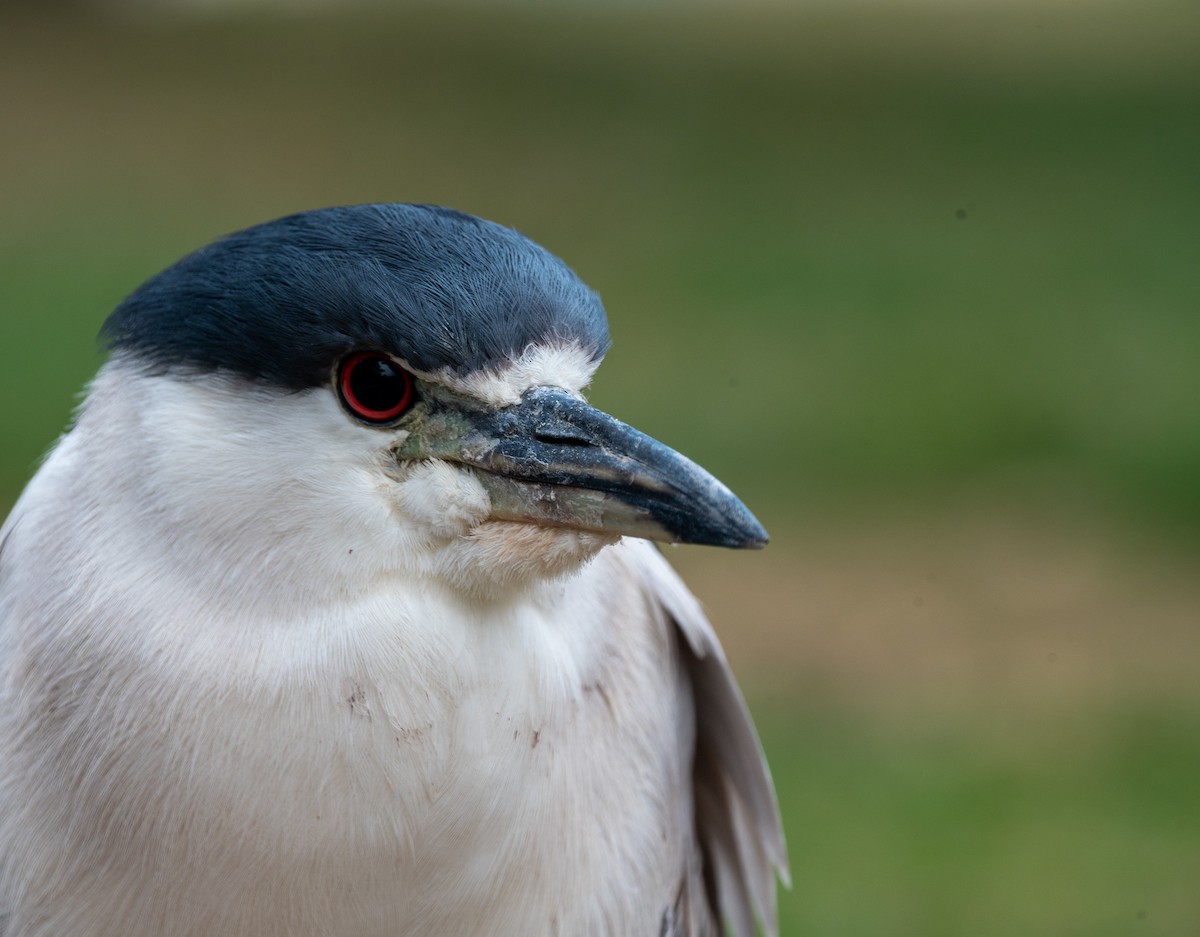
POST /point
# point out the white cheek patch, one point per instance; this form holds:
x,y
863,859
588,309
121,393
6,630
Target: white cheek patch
x,y
446,499
568,366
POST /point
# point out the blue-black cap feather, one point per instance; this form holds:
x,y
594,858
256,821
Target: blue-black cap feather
x,y
283,301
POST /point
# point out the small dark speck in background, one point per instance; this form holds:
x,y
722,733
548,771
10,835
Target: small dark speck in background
x,y
960,213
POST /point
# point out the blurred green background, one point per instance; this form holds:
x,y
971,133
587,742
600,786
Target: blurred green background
x,y
920,282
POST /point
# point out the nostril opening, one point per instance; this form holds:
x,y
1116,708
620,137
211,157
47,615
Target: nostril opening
x,y
560,439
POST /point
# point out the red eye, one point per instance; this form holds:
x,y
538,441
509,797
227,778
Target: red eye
x,y
374,388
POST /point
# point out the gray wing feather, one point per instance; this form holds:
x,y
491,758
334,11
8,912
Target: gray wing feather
x,y
5,532
737,817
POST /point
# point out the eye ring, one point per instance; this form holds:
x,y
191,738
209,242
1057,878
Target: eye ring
x,y
373,388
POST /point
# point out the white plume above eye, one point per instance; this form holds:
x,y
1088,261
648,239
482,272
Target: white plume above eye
x,y
565,364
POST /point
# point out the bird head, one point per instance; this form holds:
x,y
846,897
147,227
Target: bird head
x,y
382,390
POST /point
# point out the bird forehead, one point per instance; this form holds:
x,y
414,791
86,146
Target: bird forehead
x,y
566,365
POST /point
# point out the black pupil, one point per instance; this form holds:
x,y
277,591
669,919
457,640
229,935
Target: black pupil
x,y
377,384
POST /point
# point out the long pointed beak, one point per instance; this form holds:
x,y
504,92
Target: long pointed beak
x,y
553,460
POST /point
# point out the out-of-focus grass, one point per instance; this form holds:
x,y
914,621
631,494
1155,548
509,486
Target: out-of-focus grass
x,y
945,832
864,264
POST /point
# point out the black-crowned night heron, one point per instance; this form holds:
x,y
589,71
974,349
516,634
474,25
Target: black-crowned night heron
x,y
331,616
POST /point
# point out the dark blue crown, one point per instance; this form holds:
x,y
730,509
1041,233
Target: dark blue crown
x,y
283,301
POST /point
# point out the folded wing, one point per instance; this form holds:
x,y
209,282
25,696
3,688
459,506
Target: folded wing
x,y
737,817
